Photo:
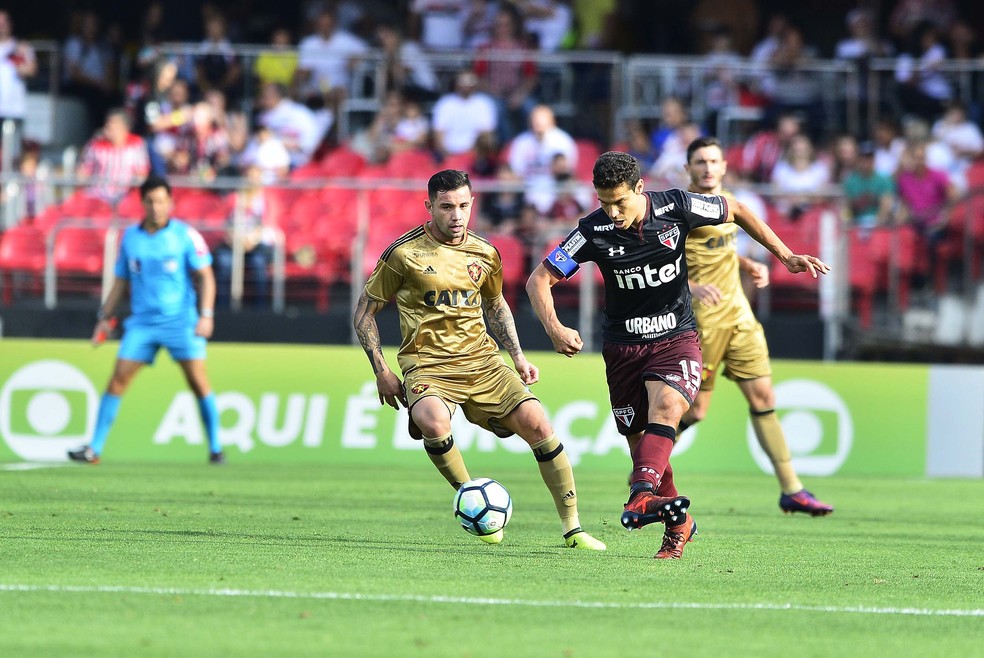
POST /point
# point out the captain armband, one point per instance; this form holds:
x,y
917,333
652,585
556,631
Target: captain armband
x,y
561,261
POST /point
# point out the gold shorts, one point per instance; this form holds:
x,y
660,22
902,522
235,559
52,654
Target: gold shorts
x,y
485,396
741,349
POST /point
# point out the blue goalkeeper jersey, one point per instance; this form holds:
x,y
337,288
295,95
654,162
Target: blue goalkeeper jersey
x,y
158,266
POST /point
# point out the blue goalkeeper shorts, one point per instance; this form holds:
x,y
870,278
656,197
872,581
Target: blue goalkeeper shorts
x,y
141,342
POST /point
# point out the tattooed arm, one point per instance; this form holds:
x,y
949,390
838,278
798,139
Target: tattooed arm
x,y
500,320
388,385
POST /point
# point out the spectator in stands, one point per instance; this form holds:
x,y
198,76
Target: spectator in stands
x,y
672,115
278,64
114,160
668,170
566,207
400,125
775,29
253,216
869,197
765,148
293,123
860,46
922,88
90,73
908,15
439,23
264,151
721,78
464,118
507,71
216,64
844,156
503,207
939,155
923,191
405,67
201,147
888,145
478,22
17,65
791,86
964,138
327,58
799,176
637,143
593,19
549,22
532,154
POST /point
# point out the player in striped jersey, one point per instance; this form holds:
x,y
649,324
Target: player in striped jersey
x,y
447,283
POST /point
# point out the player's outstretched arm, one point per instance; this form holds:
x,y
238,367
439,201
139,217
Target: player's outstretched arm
x,y
388,385
501,323
565,340
744,217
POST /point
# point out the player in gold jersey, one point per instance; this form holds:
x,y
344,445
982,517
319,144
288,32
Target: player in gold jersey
x,y
447,283
730,334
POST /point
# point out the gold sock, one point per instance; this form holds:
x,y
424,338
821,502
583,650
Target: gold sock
x,y
557,474
447,458
768,430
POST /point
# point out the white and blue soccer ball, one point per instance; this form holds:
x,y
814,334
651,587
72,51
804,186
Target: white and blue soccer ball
x,y
482,506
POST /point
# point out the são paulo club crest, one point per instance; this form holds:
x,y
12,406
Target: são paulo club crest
x,y
419,388
670,238
474,271
625,414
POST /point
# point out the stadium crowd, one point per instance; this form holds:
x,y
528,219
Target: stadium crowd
x,y
274,118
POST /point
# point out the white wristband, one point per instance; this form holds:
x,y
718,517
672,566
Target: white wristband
x,y
207,313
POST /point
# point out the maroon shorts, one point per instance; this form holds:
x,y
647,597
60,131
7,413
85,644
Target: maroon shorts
x,y
675,360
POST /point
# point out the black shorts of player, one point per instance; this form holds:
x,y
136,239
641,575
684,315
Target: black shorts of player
x,y
628,367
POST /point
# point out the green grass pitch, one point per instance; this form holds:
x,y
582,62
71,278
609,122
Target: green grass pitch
x,y
313,560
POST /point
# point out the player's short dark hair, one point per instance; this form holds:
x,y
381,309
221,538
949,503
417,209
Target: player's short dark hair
x,y
703,142
447,180
152,183
613,168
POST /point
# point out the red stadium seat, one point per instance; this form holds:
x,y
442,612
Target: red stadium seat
x,y
130,206
342,162
587,152
801,236
413,164
79,254
514,264
195,205
22,256
308,269
83,206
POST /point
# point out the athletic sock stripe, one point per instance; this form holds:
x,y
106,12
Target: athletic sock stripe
x,y
439,449
545,457
573,532
764,412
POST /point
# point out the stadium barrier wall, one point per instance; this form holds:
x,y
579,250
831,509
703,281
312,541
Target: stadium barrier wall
x,y
291,403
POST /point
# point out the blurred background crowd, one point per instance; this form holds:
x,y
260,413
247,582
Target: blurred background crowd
x,y
305,129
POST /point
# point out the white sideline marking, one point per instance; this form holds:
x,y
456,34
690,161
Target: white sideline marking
x,y
467,600
29,466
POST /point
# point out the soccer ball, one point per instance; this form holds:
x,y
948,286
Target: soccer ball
x,y
482,506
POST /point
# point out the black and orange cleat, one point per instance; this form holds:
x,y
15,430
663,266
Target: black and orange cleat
x,y
675,538
216,458
804,501
83,454
645,507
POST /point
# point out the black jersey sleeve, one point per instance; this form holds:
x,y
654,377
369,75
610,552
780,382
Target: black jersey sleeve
x,y
699,209
565,259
